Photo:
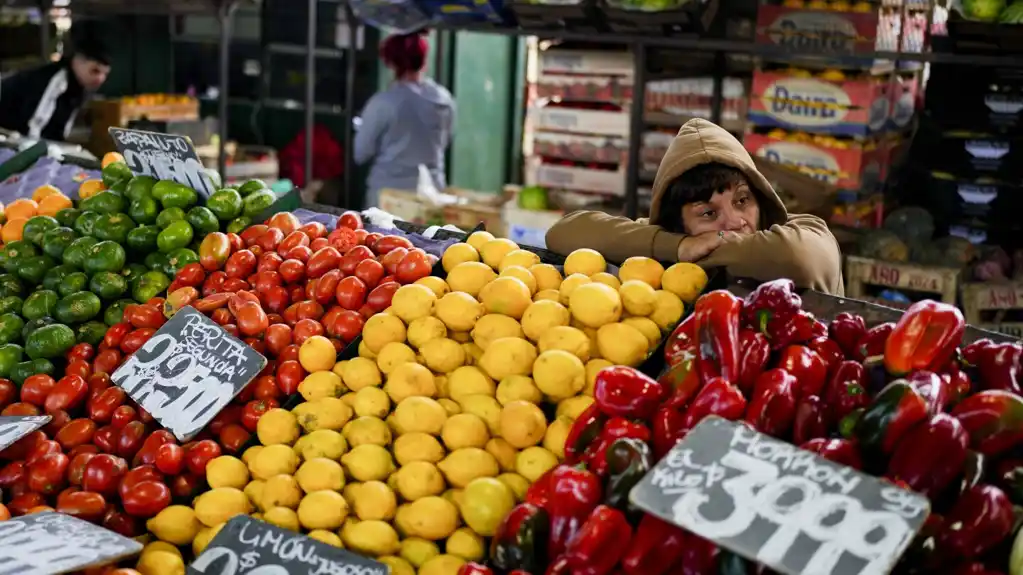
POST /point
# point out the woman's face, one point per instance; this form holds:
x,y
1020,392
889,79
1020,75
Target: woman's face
x,y
733,209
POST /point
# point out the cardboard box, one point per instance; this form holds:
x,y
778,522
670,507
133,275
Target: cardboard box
x,y
579,148
857,166
557,60
612,123
827,31
471,209
569,177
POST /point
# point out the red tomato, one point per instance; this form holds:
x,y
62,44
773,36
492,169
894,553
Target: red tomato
x,y
185,486
265,387
292,271
269,240
191,275
350,293
326,285
12,473
102,405
170,459
300,253
308,310
380,298
252,232
265,280
289,375
22,447
310,288
391,259
306,328
275,299
107,361
103,473
414,266
256,344
348,325
319,244
290,353
21,504
79,367
255,409
137,475
291,241
314,230
236,241
41,449
76,432
147,453
269,262
121,523
360,236
82,351
106,438
122,416
129,441
354,257
241,264
141,316
67,394
214,283
233,437
235,285
371,239
386,244
20,408
322,261
136,339
48,474
76,469
230,414
83,505
98,382
370,272
351,220
58,419
213,251
252,319
287,222
146,499
221,316
200,454
36,387
231,329
278,336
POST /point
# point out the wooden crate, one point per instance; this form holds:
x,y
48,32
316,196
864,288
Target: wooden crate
x,y
987,305
862,272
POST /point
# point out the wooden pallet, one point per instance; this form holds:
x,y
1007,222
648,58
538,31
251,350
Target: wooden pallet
x,y
862,272
986,305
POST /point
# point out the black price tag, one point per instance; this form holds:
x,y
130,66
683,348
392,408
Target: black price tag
x,y
14,427
187,372
779,505
51,543
164,157
247,546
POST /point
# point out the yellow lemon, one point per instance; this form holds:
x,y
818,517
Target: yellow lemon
x,y
622,344
547,277
506,295
227,471
317,354
606,279
394,354
457,254
519,257
543,315
685,280
569,285
425,329
638,298
508,356
277,426
322,510
459,311
477,239
642,269
522,274
559,374
381,330
585,261
668,310
320,474
494,251
412,302
522,424
494,326
361,372
595,304
470,277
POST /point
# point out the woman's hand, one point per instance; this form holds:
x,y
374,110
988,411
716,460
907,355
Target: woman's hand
x,y
695,248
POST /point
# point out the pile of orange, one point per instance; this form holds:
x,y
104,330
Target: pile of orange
x,y
46,201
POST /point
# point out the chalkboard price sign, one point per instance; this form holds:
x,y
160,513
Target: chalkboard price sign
x,y
779,505
163,156
247,546
51,543
187,372
14,427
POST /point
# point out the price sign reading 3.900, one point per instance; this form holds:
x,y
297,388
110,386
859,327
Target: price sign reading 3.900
x,y
779,505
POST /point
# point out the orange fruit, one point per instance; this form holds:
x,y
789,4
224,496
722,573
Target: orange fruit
x,y
90,188
50,205
21,208
111,158
43,191
12,230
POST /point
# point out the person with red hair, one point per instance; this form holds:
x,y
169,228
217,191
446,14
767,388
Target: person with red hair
x,y
407,125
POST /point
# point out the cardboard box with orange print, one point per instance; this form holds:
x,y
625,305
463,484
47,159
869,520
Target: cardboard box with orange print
x,y
846,164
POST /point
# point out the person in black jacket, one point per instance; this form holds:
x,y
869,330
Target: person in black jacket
x,y
43,102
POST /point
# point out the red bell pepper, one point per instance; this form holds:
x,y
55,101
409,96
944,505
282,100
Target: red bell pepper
x,y
893,411
681,340
773,406
994,420
626,392
655,547
828,350
841,451
930,455
616,428
667,430
925,337
521,539
474,568
539,493
628,461
754,351
873,343
847,329
717,331
584,431
576,492
801,327
681,382
972,351
1009,475
806,366
811,419
846,390
980,519
600,543
770,305
933,388
959,385
718,397
998,365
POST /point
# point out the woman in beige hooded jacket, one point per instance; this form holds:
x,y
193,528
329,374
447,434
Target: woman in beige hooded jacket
x,y
711,206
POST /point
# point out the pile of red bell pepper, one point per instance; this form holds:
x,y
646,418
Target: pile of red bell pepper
x,y
905,401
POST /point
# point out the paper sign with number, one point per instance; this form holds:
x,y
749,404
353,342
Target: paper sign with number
x,y
779,505
164,157
14,427
247,546
51,543
188,371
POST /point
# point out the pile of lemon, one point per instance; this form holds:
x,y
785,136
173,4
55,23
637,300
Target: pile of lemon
x,y
414,451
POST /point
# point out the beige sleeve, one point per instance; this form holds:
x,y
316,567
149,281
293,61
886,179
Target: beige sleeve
x,y
803,250
617,238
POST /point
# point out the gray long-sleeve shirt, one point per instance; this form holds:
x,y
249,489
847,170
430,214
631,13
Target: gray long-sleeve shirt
x,y
406,125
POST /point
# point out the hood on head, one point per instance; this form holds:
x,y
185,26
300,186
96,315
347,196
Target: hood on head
x,y
702,142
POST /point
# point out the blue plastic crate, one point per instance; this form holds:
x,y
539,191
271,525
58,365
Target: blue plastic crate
x,y
464,11
401,16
